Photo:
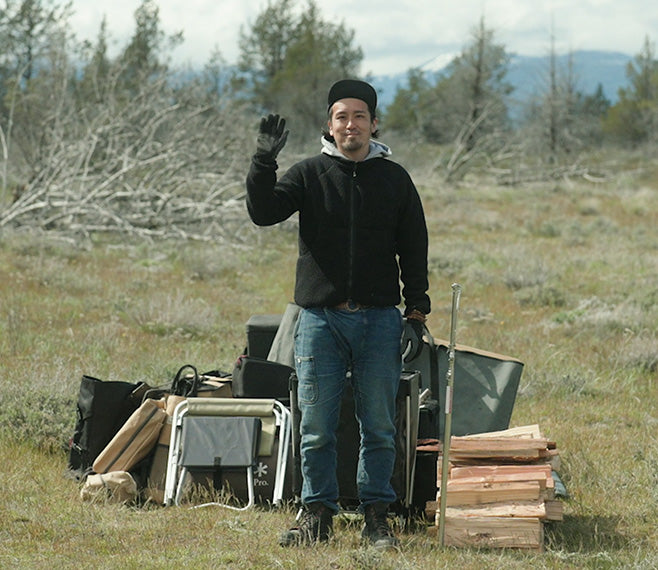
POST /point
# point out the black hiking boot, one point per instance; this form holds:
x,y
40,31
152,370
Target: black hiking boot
x,y
376,529
314,524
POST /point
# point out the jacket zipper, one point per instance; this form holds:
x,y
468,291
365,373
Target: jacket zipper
x,y
352,242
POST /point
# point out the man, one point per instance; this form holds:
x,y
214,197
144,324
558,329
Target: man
x,y
361,230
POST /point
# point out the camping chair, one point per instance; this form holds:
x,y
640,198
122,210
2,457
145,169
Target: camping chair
x,y
226,433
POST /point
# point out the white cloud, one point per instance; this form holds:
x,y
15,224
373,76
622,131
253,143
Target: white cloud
x,y
398,34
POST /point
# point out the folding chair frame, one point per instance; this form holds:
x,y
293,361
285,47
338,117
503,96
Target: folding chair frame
x,y
412,413
258,407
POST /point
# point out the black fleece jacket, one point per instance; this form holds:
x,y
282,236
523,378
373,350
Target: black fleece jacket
x,y
361,229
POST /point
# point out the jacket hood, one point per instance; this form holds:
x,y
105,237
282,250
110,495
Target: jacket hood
x,y
377,149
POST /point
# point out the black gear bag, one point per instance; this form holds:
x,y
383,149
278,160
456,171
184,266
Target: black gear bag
x,y
103,407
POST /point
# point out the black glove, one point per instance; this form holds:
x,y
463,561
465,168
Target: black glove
x,y
271,137
412,339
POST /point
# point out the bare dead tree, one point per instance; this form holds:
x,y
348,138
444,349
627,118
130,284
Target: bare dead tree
x,y
487,149
479,97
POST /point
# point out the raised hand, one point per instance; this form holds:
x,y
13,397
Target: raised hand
x,y
272,137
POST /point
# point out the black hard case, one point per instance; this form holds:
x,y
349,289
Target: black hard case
x,y
261,330
255,377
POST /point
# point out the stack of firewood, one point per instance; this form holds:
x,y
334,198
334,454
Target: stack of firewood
x,y
500,489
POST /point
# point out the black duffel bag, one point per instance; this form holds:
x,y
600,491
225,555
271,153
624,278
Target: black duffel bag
x,y
102,409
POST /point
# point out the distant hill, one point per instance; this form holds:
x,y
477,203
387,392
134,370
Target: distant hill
x,y
591,68
528,75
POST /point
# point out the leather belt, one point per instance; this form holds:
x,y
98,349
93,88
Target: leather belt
x,y
351,306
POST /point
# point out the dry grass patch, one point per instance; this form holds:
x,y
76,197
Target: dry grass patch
x,y
562,276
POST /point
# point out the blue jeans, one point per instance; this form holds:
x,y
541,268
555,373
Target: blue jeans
x,y
333,347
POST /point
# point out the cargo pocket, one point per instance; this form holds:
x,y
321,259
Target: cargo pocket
x,y
307,388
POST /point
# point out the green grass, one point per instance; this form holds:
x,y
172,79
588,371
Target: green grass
x,y
563,276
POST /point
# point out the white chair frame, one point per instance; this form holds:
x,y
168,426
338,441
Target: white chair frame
x,y
266,409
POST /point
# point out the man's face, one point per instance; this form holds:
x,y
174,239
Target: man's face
x,y
351,126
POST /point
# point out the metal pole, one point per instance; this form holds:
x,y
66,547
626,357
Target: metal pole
x,y
447,408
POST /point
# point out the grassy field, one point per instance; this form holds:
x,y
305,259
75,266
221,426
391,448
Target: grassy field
x,y
562,275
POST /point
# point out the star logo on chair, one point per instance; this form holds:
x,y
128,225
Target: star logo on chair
x,y
261,470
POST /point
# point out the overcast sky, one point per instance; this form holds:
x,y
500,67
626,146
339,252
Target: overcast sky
x,y
396,35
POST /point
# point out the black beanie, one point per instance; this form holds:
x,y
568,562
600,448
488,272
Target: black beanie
x,y
354,89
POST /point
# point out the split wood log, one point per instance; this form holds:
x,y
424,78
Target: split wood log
x,y
504,474
531,431
479,493
495,532
544,510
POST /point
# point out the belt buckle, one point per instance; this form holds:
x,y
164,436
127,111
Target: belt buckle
x,y
351,306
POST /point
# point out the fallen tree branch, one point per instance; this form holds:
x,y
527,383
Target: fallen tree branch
x,y
513,177
158,169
